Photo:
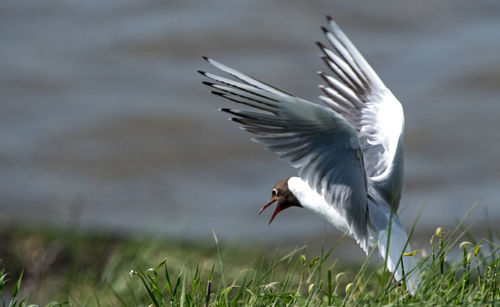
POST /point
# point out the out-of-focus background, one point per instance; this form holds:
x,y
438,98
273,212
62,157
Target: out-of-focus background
x,y
104,123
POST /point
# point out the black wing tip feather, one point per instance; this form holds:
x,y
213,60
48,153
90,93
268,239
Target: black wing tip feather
x,y
325,59
227,110
230,111
320,45
240,114
209,60
323,49
237,120
218,93
323,75
332,23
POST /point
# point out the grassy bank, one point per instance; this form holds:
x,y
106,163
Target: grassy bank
x,y
86,269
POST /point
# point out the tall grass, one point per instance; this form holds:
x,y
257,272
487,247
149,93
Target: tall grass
x,y
456,270
293,280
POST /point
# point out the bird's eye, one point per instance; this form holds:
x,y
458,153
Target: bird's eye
x,y
275,192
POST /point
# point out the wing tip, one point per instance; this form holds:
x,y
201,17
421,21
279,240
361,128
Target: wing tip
x,y
218,93
320,45
237,120
323,75
211,61
231,111
333,25
201,72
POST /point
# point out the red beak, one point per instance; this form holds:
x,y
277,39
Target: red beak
x,y
278,209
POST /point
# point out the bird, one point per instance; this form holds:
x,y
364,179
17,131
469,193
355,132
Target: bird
x,y
348,150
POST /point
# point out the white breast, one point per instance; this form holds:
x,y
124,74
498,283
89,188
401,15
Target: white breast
x,y
310,199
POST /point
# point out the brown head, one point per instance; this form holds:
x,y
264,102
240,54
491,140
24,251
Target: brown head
x,y
283,196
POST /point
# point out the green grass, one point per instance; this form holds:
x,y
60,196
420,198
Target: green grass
x,y
67,268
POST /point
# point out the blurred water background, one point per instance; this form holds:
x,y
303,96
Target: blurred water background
x,y
104,123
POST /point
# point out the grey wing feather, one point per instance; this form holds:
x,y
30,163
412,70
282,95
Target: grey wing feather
x,y
314,139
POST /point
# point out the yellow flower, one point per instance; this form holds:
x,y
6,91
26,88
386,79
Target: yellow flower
x,y
411,253
476,250
348,287
439,230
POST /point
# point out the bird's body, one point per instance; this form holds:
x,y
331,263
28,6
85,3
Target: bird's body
x,y
349,153
313,201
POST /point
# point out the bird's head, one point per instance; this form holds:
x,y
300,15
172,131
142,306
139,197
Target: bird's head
x,y
283,196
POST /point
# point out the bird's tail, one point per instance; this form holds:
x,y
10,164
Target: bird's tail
x,y
396,246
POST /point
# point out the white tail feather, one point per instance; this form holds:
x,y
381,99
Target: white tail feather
x,y
397,241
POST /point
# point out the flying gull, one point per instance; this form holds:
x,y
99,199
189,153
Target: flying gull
x,y
349,152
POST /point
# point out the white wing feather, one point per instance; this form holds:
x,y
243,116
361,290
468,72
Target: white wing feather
x,y
363,100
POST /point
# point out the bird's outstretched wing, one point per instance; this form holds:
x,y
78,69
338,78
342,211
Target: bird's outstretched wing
x,y
359,96
314,139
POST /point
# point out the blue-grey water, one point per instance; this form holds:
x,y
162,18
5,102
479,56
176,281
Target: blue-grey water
x,y
104,123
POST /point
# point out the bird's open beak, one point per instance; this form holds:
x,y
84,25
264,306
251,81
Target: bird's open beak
x,y
278,209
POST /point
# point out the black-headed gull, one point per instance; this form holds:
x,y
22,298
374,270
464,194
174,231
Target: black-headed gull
x,y
349,153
